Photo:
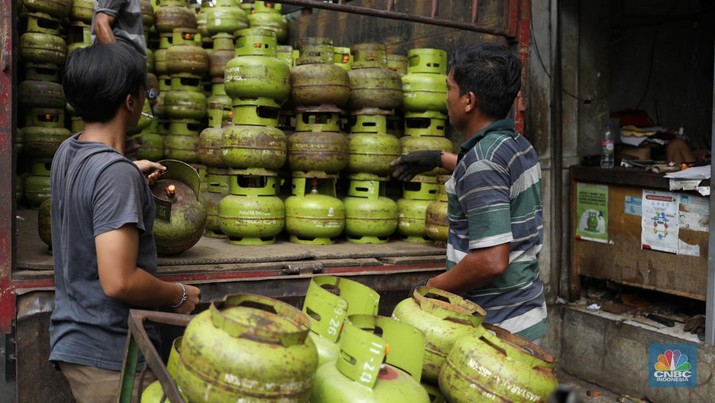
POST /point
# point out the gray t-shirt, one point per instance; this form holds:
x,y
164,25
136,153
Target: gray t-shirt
x,y
127,25
94,190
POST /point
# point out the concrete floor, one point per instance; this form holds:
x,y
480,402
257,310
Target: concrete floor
x,y
611,351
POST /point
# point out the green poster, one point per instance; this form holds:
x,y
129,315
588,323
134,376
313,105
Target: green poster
x,y
592,212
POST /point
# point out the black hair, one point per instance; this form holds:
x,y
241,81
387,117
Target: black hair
x,y
492,72
99,77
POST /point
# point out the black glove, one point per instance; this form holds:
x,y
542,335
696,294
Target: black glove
x,y
407,166
420,283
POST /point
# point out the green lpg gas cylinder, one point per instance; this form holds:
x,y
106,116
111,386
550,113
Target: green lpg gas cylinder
x,y
186,99
316,80
210,139
186,55
256,72
37,47
371,148
54,8
37,184
41,94
256,142
180,217
317,143
183,148
343,58
496,365
252,214
430,123
443,317
218,100
147,13
380,360
411,220
248,348
225,17
424,87
328,303
313,214
437,218
397,63
44,223
165,41
152,143
42,142
285,53
370,216
173,14
372,84
218,180
267,15
222,53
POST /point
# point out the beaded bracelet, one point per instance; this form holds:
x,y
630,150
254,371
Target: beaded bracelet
x,y
184,295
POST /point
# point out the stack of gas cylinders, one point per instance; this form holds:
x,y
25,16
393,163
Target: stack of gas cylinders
x,y
434,348
293,140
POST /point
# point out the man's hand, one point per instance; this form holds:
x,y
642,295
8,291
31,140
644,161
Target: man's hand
x,y
193,296
407,166
152,170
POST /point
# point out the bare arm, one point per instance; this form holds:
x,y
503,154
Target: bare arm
x,y
479,268
121,279
103,28
449,161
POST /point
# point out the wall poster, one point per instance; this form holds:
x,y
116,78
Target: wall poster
x,y
659,229
592,212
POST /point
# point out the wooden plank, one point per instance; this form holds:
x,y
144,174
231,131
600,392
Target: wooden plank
x,y
623,261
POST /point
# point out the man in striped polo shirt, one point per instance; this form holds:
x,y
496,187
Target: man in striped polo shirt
x,y
495,203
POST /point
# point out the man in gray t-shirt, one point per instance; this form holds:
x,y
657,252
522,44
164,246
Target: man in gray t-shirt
x,y
102,217
119,20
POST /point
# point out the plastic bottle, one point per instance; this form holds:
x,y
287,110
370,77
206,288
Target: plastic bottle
x,y
607,147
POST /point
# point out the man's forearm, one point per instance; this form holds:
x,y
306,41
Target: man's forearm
x,y
103,28
142,289
478,269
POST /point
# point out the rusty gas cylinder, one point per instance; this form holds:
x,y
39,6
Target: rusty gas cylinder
x,y
186,55
173,14
317,143
316,80
180,217
247,348
494,364
437,217
372,84
444,318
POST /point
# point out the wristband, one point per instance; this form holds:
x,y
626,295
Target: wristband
x,y
184,295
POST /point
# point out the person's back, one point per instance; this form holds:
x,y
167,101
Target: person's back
x,y
93,188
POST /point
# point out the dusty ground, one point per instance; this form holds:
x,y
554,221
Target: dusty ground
x,y
590,393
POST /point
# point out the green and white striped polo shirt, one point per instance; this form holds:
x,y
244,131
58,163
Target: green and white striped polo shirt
x,y
495,198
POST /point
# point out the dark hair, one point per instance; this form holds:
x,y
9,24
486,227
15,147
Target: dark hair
x,y
99,77
492,72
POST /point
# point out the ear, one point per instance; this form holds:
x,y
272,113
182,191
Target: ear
x,y
470,101
129,102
